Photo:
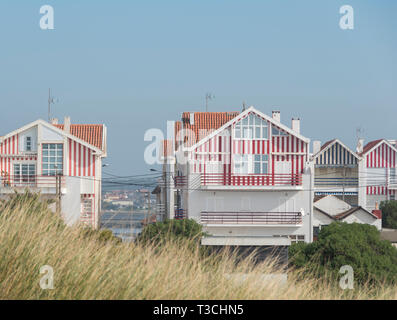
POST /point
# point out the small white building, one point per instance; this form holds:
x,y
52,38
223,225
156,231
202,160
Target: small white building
x,y
59,161
246,177
328,209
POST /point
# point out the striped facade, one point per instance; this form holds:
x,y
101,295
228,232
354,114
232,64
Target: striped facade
x,y
216,154
379,160
336,155
81,160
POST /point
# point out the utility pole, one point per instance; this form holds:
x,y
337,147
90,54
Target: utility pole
x,y
58,182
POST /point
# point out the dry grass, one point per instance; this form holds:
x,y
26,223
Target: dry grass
x,y
86,268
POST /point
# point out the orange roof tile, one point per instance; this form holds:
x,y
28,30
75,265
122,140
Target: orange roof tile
x,y
204,123
90,133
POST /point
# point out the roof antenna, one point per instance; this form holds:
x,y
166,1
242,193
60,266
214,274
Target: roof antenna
x,y
208,96
244,106
51,100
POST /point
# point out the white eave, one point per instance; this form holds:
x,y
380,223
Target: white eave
x,y
240,116
331,144
52,127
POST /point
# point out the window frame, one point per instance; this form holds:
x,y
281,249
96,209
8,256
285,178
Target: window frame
x,y
47,162
247,128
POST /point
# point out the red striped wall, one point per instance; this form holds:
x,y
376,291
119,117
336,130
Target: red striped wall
x,y
81,161
381,157
9,148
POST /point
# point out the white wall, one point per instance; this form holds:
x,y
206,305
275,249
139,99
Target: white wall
x,y
332,205
48,134
320,218
361,216
71,201
32,132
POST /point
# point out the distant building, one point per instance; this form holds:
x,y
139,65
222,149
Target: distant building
x,y
33,156
327,209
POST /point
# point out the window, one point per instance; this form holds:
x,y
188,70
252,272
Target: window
x,y
241,162
24,174
28,144
298,238
261,163
278,132
86,208
52,159
251,127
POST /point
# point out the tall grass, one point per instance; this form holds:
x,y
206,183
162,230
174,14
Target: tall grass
x,y
86,267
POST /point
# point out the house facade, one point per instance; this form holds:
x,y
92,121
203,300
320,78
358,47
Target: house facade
x,y
330,208
246,177
61,161
336,171
378,177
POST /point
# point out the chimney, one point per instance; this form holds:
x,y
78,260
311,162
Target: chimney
x,y
377,212
316,146
54,121
192,118
296,125
360,146
66,123
276,116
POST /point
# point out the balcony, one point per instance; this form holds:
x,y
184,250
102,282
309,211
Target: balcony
x,y
253,181
335,182
251,218
180,181
44,184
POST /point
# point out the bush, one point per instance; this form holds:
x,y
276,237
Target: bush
x,y
389,214
161,232
358,245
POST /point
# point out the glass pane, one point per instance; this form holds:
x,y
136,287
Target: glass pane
x,y
45,153
52,146
45,146
264,132
264,168
258,133
245,121
275,131
257,168
45,159
257,157
52,153
247,133
237,134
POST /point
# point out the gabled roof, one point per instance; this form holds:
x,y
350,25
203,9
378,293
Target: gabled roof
x,y
374,144
330,143
90,133
242,115
52,127
345,214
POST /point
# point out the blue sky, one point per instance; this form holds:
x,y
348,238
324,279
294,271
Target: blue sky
x,y
135,64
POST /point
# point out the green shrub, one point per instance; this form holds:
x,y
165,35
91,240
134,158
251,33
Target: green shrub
x,y
161,232
389,214
358,245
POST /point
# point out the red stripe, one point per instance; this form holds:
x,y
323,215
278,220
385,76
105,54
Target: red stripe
x,y
70,157
79,160
93,165
84,158
74,158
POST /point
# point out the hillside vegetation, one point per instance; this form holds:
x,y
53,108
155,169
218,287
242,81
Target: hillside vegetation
x,y
94,265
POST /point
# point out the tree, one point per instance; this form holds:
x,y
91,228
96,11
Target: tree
x,y
173,229
389,214
358,245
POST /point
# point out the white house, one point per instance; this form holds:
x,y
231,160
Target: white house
x,y
246,177
61,161
328,209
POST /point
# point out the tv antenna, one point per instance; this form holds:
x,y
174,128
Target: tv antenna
x,y
208,97
51,100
